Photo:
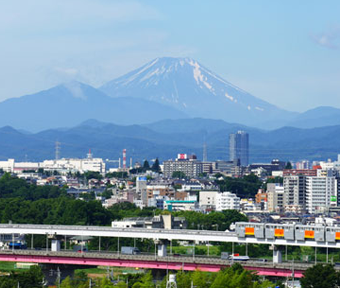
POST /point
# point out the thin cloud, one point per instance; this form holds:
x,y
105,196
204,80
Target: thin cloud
x,y
329,39
66,15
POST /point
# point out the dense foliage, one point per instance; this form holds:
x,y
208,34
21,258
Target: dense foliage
x,y
26,203
320,276
146,167
242,187
62,210
33,278
116,175
212,221
178,174
233,277
126,209
13,187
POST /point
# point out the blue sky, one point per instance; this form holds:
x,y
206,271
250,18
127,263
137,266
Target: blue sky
x,y
285,52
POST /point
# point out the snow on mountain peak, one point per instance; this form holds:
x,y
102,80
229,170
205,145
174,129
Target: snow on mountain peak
x,y
186,85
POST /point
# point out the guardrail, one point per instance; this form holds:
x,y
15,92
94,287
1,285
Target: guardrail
x,y
112,229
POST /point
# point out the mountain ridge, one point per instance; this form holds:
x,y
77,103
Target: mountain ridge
x,y
185,84
69,104
107,141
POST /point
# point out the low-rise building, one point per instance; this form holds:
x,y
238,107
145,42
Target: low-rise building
x,y
208,199
180,205
160,221
227,201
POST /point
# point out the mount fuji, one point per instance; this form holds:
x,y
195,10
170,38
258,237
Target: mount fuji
x,y
186,85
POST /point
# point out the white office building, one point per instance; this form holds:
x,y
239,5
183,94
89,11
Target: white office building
x,y
227,201
208,199
61,165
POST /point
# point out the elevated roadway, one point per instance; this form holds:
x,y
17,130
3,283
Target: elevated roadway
x,y
159,234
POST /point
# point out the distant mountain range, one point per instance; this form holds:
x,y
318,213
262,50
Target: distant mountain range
x,y
165,88
169,105
165,139
72,103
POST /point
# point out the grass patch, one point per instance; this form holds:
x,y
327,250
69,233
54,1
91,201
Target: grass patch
x,y
8,267
199,250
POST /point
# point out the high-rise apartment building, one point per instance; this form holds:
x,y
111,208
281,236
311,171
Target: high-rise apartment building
x,y
275,192
294,193
321,193
190,166
239,147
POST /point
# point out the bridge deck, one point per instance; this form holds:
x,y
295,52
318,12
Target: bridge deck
x,y
149,262
164,234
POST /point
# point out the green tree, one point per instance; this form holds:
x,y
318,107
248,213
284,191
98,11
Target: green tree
x,y
106,283
236,276
200,279
33,278
178,174
183,279
119,175
67,283
155,166
145,282
243,187
121,285
320,276
146,165
288,165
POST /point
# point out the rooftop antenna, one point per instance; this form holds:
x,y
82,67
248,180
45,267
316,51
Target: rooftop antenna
x,y
89,155
57,150
124,158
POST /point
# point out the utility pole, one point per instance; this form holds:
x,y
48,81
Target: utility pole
x,y
293,274
58,277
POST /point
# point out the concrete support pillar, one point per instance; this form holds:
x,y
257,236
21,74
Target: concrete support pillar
x,y
162,250
277,256
316,255
46,242
55,245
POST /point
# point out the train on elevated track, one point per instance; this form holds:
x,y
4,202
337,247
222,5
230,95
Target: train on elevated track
x,y
290,232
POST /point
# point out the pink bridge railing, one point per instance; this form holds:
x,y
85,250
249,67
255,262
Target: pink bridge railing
x,y
47,259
